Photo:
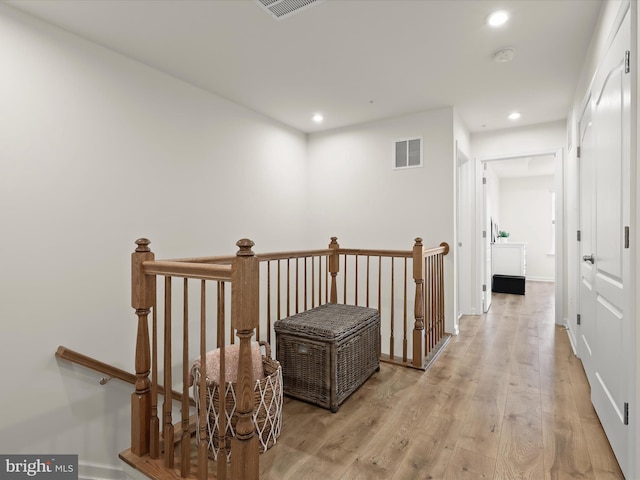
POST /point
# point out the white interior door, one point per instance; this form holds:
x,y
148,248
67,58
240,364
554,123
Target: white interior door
x,y
486,242
464,236
605,333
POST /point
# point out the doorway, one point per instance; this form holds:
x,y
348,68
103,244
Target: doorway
x,y
521,195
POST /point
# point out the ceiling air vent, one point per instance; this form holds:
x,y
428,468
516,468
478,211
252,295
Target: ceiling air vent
x,y
280,9
408,153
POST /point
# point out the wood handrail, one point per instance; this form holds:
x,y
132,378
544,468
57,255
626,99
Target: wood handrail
x,y
265,257
375,252
113,372
203,271
442,249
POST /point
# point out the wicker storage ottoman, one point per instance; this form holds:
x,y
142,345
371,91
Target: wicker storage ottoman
x,y
327,352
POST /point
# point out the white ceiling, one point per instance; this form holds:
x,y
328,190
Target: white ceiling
x,y
353,60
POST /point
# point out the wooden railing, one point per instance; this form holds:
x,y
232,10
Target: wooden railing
x,y
411,304
405,286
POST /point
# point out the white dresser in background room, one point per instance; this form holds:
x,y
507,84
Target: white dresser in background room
x,y
508,267
509,259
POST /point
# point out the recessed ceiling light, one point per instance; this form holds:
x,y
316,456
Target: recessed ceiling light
x,y
318,118
514,116
496,19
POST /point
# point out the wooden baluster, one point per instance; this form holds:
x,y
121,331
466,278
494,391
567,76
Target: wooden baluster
x,y
344,276
154,441
368,278
305,282
185,443
143,288
429,289
392,339
404,316
356,270
380,286
326,280
269,302
418,328
297,290
222,382
245,310
167,404
334,268
313,282
279,292
288,287
380,299
202,388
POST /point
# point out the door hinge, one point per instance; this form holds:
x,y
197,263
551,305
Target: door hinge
x,y
626,237
484,180
579,236
578,319
578,151
627,61
484,234
626,413
484,288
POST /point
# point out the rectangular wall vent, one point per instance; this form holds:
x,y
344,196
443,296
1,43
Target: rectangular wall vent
x,y
408,153
280,9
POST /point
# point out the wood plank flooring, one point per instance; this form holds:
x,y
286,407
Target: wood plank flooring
x,y
506,399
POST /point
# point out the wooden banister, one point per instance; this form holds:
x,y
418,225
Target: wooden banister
x,y
291,285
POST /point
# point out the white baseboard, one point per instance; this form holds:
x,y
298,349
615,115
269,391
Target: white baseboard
x,y
133,474
570,334
94,471
540,279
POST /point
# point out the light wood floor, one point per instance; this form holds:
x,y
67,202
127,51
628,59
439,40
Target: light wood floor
x,y
507,399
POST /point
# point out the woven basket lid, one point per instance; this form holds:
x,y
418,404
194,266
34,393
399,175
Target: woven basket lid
x,y
330,321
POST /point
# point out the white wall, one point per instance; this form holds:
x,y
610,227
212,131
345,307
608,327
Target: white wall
x,y
97,150
525,212
356,195
520,140
493,185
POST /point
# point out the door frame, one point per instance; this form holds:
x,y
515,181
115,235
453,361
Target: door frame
x,y
559,230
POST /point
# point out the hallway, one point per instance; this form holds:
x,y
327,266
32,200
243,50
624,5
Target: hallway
x,y
532,389
507,399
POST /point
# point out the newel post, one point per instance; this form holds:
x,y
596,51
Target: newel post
x,y
418,329
143,288
245,284
334,268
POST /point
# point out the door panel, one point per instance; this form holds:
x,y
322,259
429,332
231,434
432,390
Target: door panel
x,y
608,119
